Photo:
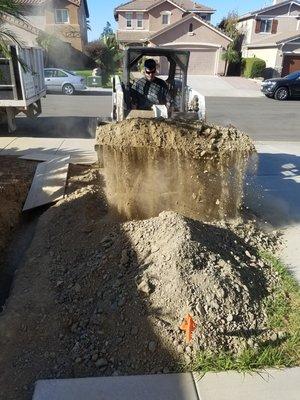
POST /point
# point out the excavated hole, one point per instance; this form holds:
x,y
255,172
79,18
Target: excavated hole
x,y
14,257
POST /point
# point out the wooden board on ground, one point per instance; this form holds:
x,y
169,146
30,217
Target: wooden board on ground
x,y
6,141
81,151
48,184
85,158
27,145
39,156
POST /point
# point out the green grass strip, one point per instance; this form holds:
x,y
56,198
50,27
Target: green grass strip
x,y
283,313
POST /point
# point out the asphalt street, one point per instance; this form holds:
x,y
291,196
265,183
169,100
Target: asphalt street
x,y
261,118
75,116
65,116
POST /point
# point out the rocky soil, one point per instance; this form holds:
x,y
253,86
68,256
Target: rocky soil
x,y
15,180
194,139
102,296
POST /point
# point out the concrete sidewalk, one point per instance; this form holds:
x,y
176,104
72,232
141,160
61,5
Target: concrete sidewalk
x,y
274,195
269,385
81,151
218,86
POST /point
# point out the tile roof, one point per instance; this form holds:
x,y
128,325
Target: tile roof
x,y
188,5
132,37
253,13
40,2
22,23
274,40
31,2
135,5
186,18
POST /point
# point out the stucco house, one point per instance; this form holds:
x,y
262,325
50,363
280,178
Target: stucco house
x,y
66,19
180,24
273,34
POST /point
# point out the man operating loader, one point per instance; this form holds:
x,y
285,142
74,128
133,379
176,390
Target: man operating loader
x,y
149,90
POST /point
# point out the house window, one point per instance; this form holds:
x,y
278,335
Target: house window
x,y
166,19
128,17
62,16
140,20
266,25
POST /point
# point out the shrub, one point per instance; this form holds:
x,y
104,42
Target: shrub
x,y
253,67
106,54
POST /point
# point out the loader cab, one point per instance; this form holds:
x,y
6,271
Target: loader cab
x,y
172,67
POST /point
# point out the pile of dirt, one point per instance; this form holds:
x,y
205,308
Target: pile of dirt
x,y
15,180
193,139
104,297
193,168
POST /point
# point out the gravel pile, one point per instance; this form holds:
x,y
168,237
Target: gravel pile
x,y
125,300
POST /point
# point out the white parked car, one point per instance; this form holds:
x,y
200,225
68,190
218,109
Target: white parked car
x,y
61,80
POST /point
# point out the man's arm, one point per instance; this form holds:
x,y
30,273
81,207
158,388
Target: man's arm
x,y
165,96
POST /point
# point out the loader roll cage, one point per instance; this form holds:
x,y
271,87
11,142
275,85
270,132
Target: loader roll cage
x,y
176,58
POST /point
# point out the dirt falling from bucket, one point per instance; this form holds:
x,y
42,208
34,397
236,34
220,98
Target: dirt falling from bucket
x,y
194,169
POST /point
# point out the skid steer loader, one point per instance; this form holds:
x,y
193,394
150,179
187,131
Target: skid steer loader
x,y
173,68
185,103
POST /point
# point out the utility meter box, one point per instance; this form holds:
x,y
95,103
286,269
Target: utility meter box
x,y
94,81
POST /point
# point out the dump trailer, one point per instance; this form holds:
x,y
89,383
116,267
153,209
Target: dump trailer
x,y
186,102
22,84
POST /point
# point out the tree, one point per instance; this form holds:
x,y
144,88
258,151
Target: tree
x,y
106,54
228,25
107,31
13,9
47,42
232,55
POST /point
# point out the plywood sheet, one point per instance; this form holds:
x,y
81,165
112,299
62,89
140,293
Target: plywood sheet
x,y
49,183
6,141
27,145
81,151
36,156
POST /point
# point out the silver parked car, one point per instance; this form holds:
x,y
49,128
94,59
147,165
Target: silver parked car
x,y
61,80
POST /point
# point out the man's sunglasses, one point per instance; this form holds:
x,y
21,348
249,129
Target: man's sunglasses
x,y
150,72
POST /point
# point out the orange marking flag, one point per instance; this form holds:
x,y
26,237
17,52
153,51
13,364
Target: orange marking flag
x,y
188,326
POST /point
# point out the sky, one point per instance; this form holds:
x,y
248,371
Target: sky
x,y
101,11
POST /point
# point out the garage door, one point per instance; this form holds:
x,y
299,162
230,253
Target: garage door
x,y
202,61
290,64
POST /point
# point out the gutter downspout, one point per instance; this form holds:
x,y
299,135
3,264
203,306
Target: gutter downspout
x,y
282,55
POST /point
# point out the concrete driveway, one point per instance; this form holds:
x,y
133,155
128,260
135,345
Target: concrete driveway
x,y
231,86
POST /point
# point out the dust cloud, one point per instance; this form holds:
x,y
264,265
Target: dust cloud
x,y
194,169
